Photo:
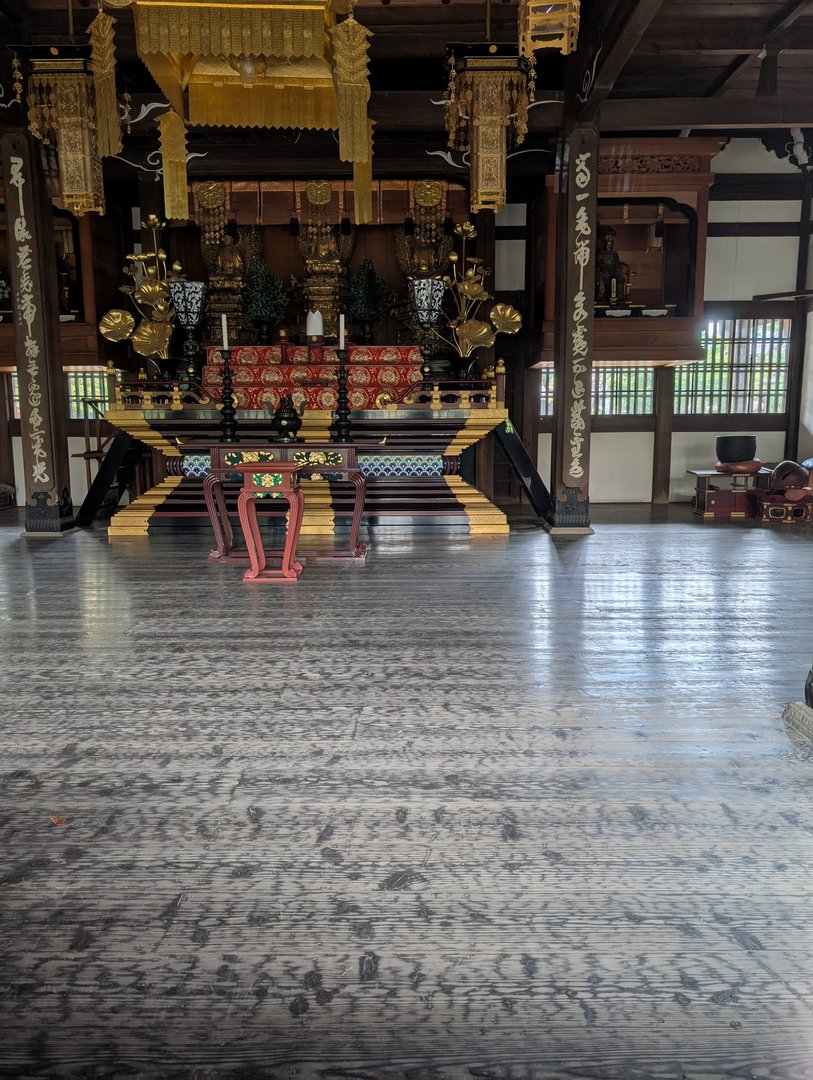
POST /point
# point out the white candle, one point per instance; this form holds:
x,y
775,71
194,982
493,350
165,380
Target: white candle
x,y
224,327
314,324
341,331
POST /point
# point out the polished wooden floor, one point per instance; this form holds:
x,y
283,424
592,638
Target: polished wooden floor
x,y
504,809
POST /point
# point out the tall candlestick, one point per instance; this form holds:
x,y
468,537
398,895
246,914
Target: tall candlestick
x,y
341,331
224,327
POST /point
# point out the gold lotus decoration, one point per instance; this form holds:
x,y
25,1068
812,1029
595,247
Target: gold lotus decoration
x,y
465,331
117,325
150,296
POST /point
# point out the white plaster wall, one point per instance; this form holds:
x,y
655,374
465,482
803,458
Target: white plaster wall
x,y
806,426
755,210
543,456
740,267
749,156
79,487
511,214
696,450
621,466
509,265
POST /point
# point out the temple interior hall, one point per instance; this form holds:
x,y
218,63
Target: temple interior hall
x,y
406,509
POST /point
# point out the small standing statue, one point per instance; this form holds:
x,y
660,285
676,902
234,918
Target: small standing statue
x,y
612,275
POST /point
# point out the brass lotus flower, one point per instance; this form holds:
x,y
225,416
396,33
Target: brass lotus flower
x,y
117,325
506,319
151,339
466,230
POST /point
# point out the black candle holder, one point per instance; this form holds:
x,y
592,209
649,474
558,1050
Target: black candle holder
x,y
342,404
228,414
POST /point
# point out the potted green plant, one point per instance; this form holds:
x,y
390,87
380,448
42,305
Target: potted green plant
x,y
264,299
370,299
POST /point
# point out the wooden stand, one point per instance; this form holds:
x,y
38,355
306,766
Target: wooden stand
x,y
733,500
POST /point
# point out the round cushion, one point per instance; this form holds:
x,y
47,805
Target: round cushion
x,y
737,468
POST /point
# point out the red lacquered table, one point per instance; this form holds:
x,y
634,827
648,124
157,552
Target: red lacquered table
x,y
278,480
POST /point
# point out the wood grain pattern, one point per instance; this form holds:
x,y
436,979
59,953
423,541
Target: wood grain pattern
x,y
503,809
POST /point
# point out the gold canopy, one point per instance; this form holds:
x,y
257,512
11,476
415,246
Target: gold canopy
x,y
261,63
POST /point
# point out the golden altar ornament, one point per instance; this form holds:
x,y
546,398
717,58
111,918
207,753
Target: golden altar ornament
x,y
150,296
467,332
267,63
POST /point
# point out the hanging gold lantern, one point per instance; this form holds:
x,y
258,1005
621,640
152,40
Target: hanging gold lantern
x,y
547,25
490,88
62,113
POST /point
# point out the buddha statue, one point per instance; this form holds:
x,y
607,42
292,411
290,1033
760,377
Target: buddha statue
x,y
612,275
229,266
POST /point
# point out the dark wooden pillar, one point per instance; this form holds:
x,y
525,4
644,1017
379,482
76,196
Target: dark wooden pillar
x,y
664,413
43,404
798,338
573,340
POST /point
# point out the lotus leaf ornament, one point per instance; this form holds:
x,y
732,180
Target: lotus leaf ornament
x,y
475,334
151,339
151,291
506,319
117,325
473,290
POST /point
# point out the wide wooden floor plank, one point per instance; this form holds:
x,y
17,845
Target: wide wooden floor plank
x,y
506,809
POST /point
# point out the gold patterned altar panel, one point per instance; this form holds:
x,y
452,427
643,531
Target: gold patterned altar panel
x,y
283,28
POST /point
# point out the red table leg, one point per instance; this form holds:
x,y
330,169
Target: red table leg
x,y
357,549
219,517
247,510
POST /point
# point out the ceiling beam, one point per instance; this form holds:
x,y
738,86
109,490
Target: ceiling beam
x,y
604,53
722,37
675,114
780,24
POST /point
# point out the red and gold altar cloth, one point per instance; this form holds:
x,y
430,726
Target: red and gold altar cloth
x,y
260,377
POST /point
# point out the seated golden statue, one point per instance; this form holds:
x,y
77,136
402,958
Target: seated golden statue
x,y
229,268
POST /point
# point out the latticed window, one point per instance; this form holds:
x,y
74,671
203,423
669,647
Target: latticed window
x,y
745,370
81,385
622,391
615,391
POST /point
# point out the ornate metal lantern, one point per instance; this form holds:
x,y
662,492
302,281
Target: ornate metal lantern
x,y
490,88
426,297
61,104
547,25
188,299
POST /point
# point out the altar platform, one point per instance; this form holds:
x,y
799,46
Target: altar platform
x,y
411,432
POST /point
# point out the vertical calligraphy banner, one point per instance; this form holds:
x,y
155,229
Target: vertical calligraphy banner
x,y
43,404
573,342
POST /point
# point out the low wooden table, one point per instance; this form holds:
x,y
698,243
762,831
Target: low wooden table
x,y
714,503
336,460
